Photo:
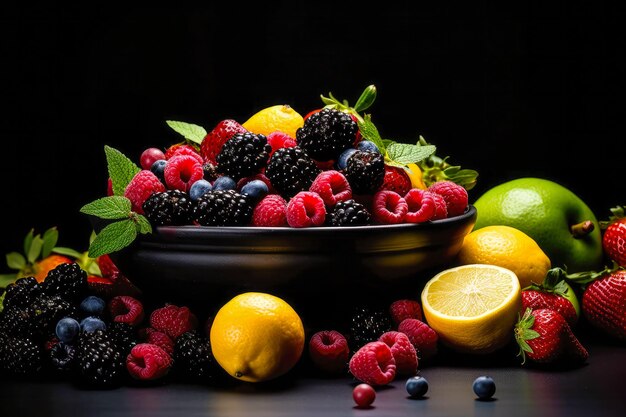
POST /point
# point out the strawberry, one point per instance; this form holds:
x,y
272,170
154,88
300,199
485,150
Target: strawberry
x,y
614,235
214,140
396,179
544,337
553,293
604,303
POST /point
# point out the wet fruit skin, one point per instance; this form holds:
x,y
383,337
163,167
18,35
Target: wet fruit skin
x,y
363,395
416,386
484,387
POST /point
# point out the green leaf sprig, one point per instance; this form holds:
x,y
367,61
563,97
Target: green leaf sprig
x,y
124,224
189,131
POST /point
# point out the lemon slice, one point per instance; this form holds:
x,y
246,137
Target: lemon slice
x,y
473,308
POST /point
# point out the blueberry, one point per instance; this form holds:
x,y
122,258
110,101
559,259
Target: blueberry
x,y
67,329
416,386
91,324
342,161
256,189
366,145
158,169
224,183
484,387
92,306
199,188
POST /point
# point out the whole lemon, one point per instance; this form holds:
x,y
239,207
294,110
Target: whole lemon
x,y
257,337
558,220
507,247
280,117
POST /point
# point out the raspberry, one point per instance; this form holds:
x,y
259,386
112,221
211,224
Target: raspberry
x,y
332,186
306,209
214,140
182,171
441,210
271,211
421,206
148,362
329,351
455,195
126,309
373,364
155,337
143,184
181,149
389,207
279,140
396,179
405,309
173,320
403,352
422,336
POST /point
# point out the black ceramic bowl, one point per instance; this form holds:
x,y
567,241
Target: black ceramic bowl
x,y
195,264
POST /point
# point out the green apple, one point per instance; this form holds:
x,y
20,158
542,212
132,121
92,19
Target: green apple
x,y
557,219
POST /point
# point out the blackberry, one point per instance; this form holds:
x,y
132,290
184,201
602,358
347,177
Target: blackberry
x,y
223,208
22,292
46,311
62,357
210,172
16,321
67,280
169,208
291,170
124,335
193,357
20,356
367,325
326,134
365,171
99,361
243,155
350,213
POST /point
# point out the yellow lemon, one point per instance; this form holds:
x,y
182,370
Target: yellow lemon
x,y
507,247
280,117
415,175
473,308
257,336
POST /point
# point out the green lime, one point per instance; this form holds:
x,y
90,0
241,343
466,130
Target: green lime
x,y
556,218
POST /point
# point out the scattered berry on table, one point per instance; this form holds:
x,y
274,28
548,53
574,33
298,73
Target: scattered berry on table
x,y
604,304
243,155
389,207
149,156
271,211
325,134
421,206
148,362
365,172
373,364
349,213
199,188
329,351
193,357
422,336
364,395
306,209
141,187
332,186
92,306
126,309
67,329
182,171
173,320
91,324
484,387
223,208
454,194
403,352
405,309
291,170
416,386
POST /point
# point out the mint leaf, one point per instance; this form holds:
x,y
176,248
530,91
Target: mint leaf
x,y
72,253
28,240
111,207
370,132
35,249
121,169
402,153
50,238
113,237
15,260
189,131
143,225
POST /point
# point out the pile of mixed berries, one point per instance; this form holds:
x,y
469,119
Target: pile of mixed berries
x,y
328,175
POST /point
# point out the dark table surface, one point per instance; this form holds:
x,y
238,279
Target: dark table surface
x,y
596,388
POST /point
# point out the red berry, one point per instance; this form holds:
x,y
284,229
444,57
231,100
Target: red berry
x,y
422,336
279,140
126,309
182,171
148,362
329,351
403,352
173,320
454,194
373,364
160,339
405,309
389,207
178,150
614,235
604,304
214,140
363,395
332,186
306,209
150,156
441,209
143,184
271,211
421,206
396,179
107,267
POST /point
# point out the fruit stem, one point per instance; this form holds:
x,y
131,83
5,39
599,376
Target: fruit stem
x,y
582,229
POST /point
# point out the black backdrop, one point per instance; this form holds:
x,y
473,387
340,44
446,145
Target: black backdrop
x,y
531,90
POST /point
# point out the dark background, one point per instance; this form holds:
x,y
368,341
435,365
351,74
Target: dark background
x,y
536,89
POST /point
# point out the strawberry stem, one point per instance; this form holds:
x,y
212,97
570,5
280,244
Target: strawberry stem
x,y
582,229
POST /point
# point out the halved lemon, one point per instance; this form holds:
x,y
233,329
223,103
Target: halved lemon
x,y
473,308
